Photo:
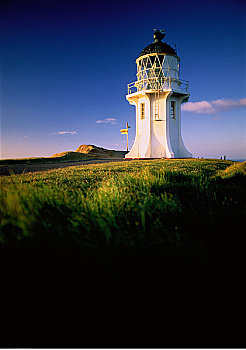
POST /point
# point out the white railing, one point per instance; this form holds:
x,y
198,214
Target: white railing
x,y
158,83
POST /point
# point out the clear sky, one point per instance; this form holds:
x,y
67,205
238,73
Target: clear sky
x,y
65,66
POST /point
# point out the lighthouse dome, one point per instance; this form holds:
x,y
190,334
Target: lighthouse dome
x,y
158,46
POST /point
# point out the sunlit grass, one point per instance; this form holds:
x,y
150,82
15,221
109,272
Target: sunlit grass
x,y
179,207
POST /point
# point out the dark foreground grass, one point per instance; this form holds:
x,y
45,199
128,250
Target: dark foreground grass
x,y
174,207
145,253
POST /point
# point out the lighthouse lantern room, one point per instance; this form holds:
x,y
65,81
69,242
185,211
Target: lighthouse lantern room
x,y
157,95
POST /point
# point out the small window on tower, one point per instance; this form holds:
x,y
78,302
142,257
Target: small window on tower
x,y
173,111
142,110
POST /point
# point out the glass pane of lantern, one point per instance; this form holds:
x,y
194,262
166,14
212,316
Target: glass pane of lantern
x,y
152,59
161,58
157,62
149,64
144,61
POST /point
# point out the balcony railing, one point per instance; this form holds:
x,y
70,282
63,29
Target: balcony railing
x,y
158,83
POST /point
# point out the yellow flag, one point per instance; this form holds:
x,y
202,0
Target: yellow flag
x,y
124,130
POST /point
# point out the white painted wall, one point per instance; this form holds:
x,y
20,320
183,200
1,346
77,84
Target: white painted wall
x,y
162,138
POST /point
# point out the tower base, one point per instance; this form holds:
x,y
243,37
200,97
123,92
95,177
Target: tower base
x,y
158,130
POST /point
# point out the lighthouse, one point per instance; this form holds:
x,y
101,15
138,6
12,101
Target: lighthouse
x,y
157,96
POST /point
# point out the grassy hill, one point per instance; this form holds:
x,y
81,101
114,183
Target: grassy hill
x,y
99,152
83,152
126,254
151,204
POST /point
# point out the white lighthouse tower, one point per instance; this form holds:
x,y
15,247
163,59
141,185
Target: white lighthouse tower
x,y
157,95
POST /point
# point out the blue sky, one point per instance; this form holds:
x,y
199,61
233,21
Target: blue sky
x,y
65,65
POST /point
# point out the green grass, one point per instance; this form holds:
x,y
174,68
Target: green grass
x,y
140,253
171,207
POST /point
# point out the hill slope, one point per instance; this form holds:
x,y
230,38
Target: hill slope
x,y
83,152
99,152
70,156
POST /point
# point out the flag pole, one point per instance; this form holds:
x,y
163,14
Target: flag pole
x,y
125,131
127,137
